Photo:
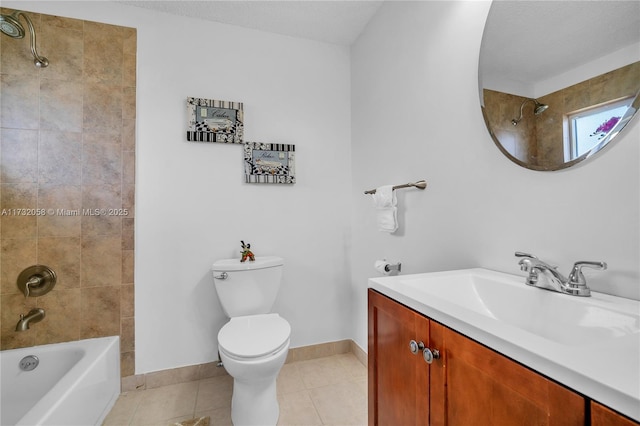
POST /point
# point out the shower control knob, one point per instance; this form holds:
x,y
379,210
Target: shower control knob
x,y
415,347
430,354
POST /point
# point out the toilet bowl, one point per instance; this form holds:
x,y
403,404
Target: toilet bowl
x,y
254,344
253,349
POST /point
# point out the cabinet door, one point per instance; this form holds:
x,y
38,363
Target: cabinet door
x,y
603,416
486,388
398,379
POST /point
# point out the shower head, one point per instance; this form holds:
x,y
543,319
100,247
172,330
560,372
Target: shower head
x,y
537,110
540,108
10,25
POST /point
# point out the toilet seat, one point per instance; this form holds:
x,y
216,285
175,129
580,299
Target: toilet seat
x,y
254,336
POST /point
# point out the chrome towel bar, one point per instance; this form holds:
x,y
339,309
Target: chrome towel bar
x,y
421,184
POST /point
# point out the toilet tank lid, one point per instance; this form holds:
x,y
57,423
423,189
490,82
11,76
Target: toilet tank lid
x,y
235,264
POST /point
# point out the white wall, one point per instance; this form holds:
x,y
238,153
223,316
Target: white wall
x,y
416,115
192,206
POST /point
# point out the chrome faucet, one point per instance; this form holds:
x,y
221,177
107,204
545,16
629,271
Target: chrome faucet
x,y
34,315
575,284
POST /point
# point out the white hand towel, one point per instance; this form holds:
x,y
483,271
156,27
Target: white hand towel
x,y
385,202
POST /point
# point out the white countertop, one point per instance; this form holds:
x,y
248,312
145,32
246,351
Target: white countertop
x,y
605,371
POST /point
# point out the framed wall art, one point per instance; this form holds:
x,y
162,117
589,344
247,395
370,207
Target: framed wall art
x,y
269,162
210,120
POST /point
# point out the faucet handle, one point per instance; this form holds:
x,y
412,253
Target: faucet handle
x,y
525,264
576,278
521,254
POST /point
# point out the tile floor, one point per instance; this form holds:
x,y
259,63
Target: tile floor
x,y
322,391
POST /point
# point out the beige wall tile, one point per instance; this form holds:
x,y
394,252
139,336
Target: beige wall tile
x,y
62,254
127,267
128,134
127,335
19,156
20,101
101,164
62,317
100,312
129,199
102,108
62,204
127,363
103,53
103,198
17,255
76,106
129,70
64,48
19,200
101,263
127,234
59,158
62,22
61,105
127,307
129,41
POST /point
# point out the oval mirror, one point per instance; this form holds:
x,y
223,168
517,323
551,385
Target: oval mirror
x,y
559,80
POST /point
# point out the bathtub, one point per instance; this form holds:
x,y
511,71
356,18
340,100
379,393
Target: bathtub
x,y
74,383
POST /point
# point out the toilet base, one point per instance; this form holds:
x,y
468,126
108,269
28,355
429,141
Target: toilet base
x,y
255,403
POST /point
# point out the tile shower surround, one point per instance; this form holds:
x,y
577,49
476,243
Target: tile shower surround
x,y
68,143
504,106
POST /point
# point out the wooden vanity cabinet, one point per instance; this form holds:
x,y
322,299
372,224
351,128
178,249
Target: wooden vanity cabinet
x,y
604,416
469,384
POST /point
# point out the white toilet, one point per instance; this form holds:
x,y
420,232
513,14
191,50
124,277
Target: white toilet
x,y
253,345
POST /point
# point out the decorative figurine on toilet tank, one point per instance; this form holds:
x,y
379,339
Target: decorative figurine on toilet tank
x,y
246,252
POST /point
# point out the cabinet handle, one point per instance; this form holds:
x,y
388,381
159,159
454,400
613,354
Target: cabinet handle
x,y
415,347
430,354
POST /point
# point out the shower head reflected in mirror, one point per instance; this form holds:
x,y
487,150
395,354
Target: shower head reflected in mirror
x,y
537,110
11,26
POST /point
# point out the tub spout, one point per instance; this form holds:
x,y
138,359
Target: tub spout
x,y
34,315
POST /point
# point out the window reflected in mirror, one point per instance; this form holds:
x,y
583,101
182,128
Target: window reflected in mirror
x,y
588,127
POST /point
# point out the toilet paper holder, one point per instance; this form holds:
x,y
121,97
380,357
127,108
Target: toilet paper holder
x,y
387,268
393,267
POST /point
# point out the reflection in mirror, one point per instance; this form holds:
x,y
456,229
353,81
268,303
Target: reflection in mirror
x,y
559,80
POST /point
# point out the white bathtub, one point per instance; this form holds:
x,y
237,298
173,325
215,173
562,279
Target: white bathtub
x,y
75,383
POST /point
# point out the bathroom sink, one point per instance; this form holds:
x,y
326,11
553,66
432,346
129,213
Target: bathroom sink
x,y
509,302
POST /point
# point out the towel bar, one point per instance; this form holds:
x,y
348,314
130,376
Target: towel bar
x,y
421,184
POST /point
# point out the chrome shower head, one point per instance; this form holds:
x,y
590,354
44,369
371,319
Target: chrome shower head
x,y
10,25
537,110
540,108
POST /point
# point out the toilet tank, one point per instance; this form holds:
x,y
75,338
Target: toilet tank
x,y
247,288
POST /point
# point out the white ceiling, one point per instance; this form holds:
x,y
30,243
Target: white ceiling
x,y
531,39
333,21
